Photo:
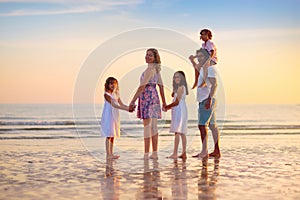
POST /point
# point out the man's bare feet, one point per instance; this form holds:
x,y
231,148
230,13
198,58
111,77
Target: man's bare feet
x,y
215,154
183,156
173,156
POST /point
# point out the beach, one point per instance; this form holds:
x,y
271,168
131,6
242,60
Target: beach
x,y
47,154
251,167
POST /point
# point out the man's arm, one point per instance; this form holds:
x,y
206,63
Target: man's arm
x,y
213,89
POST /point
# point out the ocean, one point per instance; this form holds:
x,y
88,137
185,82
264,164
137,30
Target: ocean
x,y
53,121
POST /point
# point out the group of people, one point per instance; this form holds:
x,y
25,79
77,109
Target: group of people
x,y
149,107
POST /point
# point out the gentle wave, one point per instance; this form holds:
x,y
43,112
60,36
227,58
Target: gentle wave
x,y
42,137
36,126
131,136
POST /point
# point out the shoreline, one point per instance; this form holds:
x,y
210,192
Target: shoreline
x,y
63,169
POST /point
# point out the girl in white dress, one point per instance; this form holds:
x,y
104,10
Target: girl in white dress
x,y
179,113
110,121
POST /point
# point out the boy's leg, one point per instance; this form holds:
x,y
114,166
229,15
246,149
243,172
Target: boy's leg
x,y
196,77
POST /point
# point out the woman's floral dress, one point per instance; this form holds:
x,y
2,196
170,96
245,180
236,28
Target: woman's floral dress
x,y
148,103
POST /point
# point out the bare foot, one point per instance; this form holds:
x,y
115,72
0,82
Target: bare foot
x,y
146,156
194,86
173,156
154,155
116,157
183,156
201,155
215,154
202,85
109,157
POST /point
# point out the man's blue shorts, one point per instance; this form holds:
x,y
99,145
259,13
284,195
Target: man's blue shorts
x,y
206,116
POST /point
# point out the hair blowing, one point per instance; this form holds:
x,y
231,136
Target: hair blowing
x,y
156,58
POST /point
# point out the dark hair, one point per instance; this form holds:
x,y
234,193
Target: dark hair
x,y
108,81
205,53
182,82
208,33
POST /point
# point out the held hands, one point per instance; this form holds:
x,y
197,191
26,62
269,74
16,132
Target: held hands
x,y
132,107
165,108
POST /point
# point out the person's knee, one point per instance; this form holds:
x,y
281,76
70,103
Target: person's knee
x,y
201,126
146,122
213,126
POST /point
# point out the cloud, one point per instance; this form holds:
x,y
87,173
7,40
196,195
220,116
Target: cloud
x,y
69,7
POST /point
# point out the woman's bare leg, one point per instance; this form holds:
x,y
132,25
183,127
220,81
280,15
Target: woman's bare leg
x,y
147,135
154,134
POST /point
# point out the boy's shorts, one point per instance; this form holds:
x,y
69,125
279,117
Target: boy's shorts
x,y
206,116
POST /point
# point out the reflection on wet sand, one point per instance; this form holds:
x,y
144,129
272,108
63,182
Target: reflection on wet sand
x,y
154,182
151,182
110,184
207,180
179,181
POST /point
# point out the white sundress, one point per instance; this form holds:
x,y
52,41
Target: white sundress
x,y
110,120
179,115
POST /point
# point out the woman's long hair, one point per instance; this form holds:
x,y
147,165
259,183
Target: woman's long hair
x,y
156,59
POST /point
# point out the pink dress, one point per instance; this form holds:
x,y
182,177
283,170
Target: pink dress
x,y
148,103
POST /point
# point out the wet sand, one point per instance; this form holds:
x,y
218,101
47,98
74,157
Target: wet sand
x,y
251,167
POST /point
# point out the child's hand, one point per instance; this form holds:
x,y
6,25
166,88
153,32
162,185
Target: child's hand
x,y
164,108
131,108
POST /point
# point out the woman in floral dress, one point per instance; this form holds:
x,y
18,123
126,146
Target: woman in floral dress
x,y
149,108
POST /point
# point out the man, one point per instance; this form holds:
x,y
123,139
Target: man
x,y
206,98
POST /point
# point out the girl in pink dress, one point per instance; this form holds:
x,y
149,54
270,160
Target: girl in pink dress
x,y
149,108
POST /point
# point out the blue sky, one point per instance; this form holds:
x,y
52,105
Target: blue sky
x,y
21,18
42,37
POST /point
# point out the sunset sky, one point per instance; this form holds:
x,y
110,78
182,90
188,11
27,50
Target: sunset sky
x,y
44,43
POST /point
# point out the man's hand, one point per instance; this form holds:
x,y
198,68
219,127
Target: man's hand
x,y
208,103
192,58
